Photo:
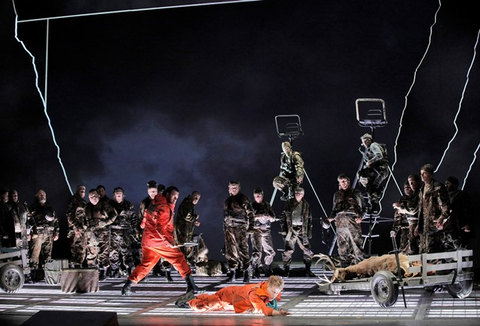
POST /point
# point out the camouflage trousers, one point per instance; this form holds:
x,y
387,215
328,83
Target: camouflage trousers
x,y
41,245
297,237
349,240
121,257
438,242
98,248
236,247
262,243
78,247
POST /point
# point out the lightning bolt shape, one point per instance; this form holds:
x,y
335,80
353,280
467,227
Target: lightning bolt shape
x,y
460,103
42,97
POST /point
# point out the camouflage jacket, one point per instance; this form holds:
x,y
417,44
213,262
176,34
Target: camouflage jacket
x,y
433,205
238,211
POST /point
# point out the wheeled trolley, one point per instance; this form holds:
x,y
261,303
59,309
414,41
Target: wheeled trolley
x,y
452,270
13,261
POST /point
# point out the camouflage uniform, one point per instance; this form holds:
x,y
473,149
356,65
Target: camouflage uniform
x,y
99,218
14,226
434,205
238,221
45,228
347,206
77,226
121,258
291,168
262,238
296,227
405,223
375,174
184,226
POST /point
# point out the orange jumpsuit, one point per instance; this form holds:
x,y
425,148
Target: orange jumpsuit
x,y
157,240
246,298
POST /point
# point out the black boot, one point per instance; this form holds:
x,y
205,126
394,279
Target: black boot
x,y
231,276
268,270
256,273
101,274
246,276
286,271
127,288
183,301
308,272
168,277
191,287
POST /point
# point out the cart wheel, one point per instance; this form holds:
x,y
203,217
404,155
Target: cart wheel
x,y
11,278
460,290
384,289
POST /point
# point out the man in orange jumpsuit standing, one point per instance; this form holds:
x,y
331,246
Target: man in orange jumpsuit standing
x,y
158,241
261,297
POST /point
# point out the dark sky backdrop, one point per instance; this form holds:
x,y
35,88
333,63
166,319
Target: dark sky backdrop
x,y
188,97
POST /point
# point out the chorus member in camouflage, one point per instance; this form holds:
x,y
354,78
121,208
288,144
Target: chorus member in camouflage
x,y
121,258
291,171
415,182
14,226
45,229
461,211
237,223
374,171
348,210
158,241
99,216
406,210
262,238
6,223
185,223
433,214
102,193
296,227
77,226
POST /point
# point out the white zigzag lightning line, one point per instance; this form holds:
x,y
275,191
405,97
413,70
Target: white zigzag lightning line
x,y
460,103
413,83
41,96
470,167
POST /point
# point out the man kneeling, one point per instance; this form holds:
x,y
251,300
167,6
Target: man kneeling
x,y
259,297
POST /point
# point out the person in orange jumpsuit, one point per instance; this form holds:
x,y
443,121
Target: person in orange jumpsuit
x,y
158,241
260,297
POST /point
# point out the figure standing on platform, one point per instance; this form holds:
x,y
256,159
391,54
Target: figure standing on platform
x,y
262,238
348,210
291,171
237,223
158,241
77,225
374,171
296,227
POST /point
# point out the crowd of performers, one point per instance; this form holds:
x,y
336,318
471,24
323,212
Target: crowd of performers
x,y
109,235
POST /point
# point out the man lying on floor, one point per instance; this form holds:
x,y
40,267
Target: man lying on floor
x,y
259,297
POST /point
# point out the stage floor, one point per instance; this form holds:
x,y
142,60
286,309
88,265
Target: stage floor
x,y
153,304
